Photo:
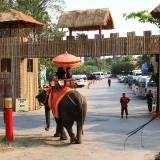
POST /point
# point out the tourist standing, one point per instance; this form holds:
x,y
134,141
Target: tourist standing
x,y
124,100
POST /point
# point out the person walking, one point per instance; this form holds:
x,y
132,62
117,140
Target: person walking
x,y
109,82
124,100
149,98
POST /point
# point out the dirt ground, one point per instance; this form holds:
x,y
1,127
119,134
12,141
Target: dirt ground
x,y
104,131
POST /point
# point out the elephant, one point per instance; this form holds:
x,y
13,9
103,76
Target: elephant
x,y
72,107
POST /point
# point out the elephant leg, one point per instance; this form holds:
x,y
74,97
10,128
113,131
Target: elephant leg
x,y
47,115
60,130
63,134
79,133
57,134
69,129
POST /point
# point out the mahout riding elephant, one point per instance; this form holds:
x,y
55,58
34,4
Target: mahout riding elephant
x,y
72,107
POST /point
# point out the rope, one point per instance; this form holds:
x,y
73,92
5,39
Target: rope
x,y
137,129
71,99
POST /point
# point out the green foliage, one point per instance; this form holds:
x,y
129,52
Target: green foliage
x,y
100,63
5,5
154,78
122,67
84,69
50,68
142,59
78,36
143,17
108,61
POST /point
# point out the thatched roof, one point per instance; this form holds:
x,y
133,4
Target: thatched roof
x,y
11,19
156,12
85,20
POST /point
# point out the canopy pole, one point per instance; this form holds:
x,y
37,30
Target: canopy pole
x,y
100,29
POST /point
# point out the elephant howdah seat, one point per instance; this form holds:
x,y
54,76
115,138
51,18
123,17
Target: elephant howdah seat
x,y
60,83
59,87
54,99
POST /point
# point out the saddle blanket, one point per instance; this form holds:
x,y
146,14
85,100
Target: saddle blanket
x,y
54,99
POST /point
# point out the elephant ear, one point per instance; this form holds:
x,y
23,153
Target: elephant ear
x,y
45,90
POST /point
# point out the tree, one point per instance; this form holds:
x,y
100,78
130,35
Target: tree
x,y
50,68
143,17
45,11
5,4
126,58
84,69
122,67
96,61
78,36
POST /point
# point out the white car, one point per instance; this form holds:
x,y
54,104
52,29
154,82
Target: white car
x,y
81,80
98,75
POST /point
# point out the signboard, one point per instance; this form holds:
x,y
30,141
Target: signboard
x,y
21,104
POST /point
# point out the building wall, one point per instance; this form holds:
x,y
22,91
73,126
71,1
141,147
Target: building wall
x,y
29,83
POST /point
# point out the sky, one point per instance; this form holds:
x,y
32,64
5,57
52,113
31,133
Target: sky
x,y
117,8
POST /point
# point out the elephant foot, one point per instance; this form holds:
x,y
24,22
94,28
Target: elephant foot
x,y
73,139
57,135
62,137
47,129
78,141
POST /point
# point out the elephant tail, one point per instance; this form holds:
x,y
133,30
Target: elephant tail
x,y
81,116
83,112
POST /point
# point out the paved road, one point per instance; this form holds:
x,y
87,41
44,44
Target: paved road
x,y
104,130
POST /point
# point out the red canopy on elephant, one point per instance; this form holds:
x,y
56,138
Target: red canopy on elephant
x,y
66,60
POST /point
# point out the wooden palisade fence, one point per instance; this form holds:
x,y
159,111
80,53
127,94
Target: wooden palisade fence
x,y
21,53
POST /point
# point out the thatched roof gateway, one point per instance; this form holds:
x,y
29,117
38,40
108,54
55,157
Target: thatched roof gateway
x,y
86,20
156,12
14,19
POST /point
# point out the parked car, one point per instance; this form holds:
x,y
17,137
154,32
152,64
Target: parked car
x,y
91,77
121,79
80,80
98,75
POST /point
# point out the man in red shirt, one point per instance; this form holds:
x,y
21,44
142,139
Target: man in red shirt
x,y
124,100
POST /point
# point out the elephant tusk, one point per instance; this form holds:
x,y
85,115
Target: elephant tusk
x,y
71,99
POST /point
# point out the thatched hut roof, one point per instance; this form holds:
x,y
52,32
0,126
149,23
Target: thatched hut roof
x,y
12,18
156,12
86,20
